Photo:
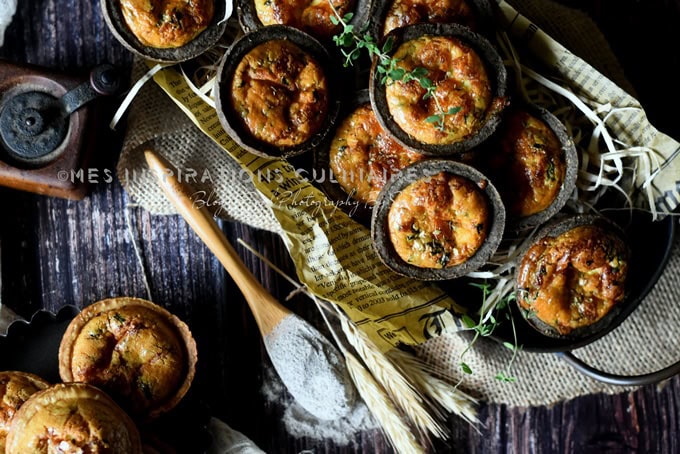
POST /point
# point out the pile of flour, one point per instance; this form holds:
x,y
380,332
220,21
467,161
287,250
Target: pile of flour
x,y
319,399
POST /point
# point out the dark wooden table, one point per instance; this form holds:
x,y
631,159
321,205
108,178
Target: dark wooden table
x,y
57,252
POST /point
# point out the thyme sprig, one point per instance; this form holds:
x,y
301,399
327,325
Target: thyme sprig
x,y
486,326
351,43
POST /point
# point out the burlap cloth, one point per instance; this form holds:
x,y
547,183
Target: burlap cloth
x,y
645,342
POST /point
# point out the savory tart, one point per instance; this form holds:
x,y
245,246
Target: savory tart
x,y
15,389
72,418
456,93
279,93
363,157
167,23
310,16
529,164
461,82
138,352
401,13
437,220
572,279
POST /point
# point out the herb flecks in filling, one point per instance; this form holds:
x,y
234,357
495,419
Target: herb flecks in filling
x,y
280,94
363,157
438,221
574,279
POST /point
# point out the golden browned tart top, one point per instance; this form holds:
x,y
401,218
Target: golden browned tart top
x,y
438,221
574,279
279,93
461,82
15,389
167,23
407,12
310,16
72,418
530,164
363,157
139,353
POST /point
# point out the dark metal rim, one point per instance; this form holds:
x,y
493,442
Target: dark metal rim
x,y
619,380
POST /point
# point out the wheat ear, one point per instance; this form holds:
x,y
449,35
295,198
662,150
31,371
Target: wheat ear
x,y
449,397
404,394
382,408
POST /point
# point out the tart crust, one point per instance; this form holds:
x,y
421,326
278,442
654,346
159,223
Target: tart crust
x,y
72,417
15,389
138,352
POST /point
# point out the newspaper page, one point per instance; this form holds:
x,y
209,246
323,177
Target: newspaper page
x,y
333,254
625,118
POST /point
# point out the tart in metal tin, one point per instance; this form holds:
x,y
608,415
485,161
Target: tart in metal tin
x,y
419,171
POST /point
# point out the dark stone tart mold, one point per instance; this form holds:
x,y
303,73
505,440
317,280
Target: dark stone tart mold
x,y
229,118
425,169
201,43
495,69
554,229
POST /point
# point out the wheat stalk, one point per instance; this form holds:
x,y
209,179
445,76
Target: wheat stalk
x,y
397,431
441,392
404,394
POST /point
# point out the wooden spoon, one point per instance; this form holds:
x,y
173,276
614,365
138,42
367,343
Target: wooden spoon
x,y
266,309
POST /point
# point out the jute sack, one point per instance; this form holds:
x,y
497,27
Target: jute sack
x,y
633,348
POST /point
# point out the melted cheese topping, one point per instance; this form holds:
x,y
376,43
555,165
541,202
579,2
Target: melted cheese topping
x,y
461,82
573,280
133,354
311,16
72,418
279,93
15,389
438,222
408,12
167,23
530,165
363,158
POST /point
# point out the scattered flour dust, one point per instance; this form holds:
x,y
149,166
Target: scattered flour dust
x,y
324,402
301,424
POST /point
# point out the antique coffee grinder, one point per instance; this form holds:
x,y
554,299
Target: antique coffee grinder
x,y
47,127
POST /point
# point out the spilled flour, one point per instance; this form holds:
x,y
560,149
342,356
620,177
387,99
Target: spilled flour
x,y
311,368
301,424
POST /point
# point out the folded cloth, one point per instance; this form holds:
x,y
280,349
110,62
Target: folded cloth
x,y
229,441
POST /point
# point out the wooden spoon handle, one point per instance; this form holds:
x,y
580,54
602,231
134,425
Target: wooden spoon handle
x,y
268,312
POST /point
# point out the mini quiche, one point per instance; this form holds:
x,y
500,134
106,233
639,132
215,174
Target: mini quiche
x,y
363,157
529,163
407,12
72,418
167,23
439,221
573,279
310,16
463,90
279,93
15,389
136,351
